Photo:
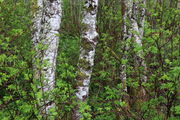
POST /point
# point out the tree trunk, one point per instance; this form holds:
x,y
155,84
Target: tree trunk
x,y
37,22
126,35
45,40
126,12
87,52
138,31
133,29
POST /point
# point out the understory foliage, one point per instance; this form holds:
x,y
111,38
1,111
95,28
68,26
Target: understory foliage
x,y
161,46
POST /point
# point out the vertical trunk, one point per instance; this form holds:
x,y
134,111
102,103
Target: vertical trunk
x,y
126,12
46,27
133,17
87,52
126,35
138,30
37,22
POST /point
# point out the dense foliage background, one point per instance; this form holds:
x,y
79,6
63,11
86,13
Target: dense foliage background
x,y
161,45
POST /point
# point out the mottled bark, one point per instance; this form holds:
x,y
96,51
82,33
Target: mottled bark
x,y
46,28
126,13
126,35
37,22
138,31
87,52
133,29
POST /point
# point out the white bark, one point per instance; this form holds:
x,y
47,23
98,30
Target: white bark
x,y
127,12
47,25
133,30
142,18
138,31
37,22
87,52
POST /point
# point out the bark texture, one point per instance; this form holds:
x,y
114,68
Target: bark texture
x,y
46,29
87,52
133,29
138,31
37,22
126,13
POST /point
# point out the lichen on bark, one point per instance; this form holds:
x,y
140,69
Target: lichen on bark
x,y
45,29
87,52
